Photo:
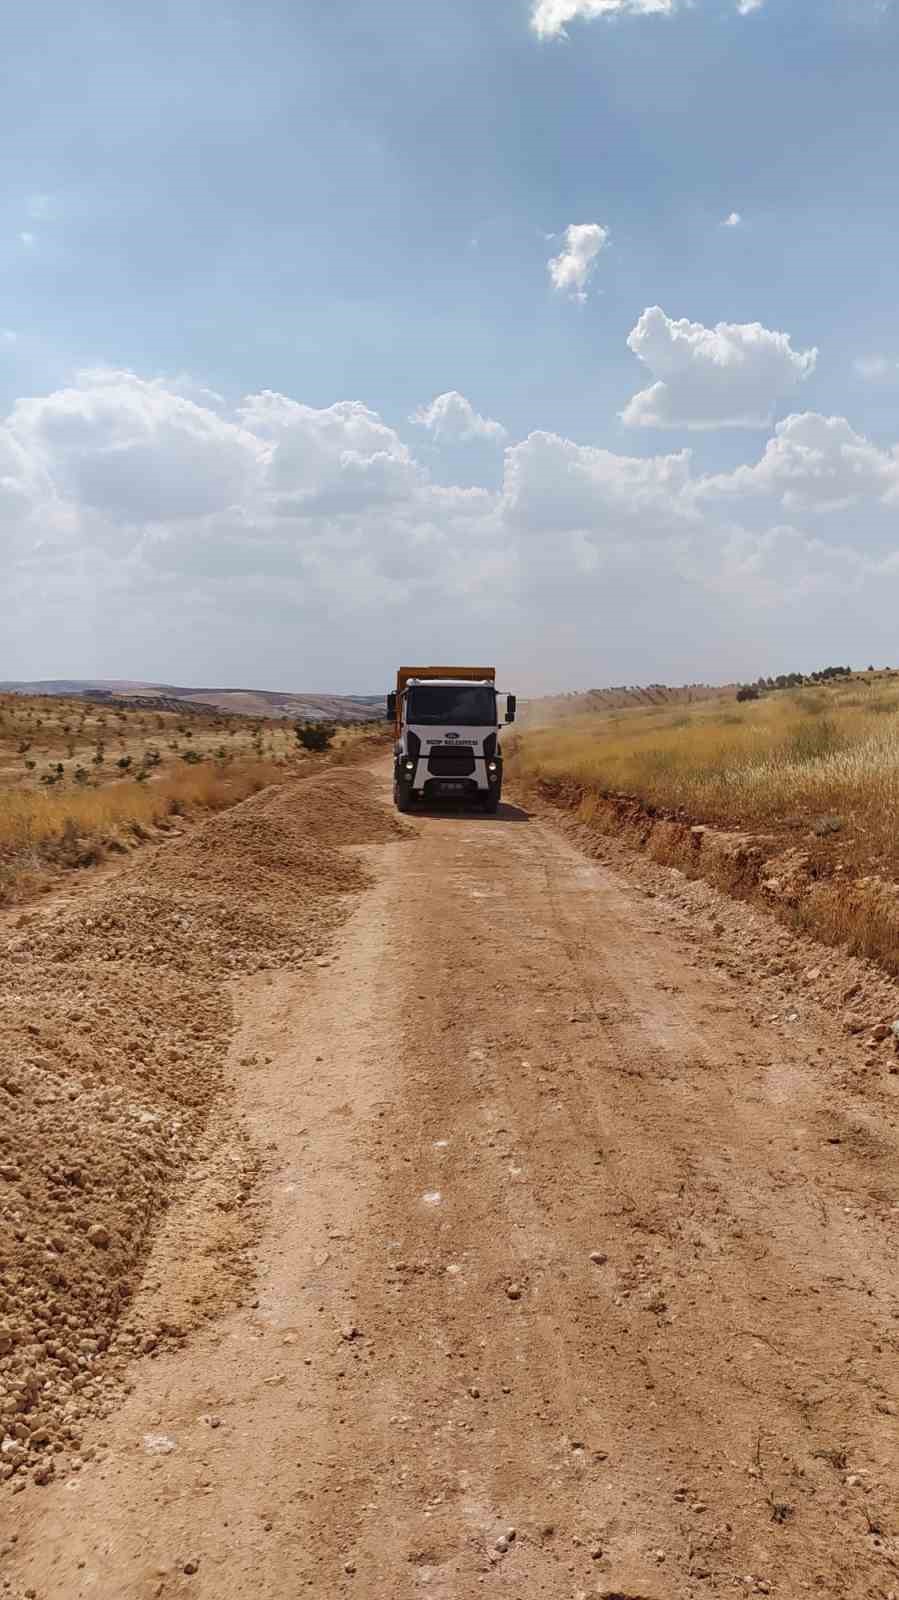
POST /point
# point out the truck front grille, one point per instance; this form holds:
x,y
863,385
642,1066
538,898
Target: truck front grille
x,y
445,761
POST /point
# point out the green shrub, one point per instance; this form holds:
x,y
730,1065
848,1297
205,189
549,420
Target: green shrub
x,y
315,735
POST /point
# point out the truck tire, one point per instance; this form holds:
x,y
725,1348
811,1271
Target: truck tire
x,y
490,801
402,794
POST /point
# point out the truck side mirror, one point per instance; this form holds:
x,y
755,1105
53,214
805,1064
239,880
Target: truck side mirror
x,y
391,705
511,703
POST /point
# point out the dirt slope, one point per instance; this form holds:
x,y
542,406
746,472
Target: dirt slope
x,y
578,1272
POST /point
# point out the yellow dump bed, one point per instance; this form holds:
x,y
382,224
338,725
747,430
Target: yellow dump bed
x,y
467,674
472,674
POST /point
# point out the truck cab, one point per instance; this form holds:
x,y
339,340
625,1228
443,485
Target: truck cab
x,y
447,735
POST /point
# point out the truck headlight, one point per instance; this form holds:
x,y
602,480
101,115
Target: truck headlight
x,y
409,765
492,766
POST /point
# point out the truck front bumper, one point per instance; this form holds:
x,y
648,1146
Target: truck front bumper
x,y
423,781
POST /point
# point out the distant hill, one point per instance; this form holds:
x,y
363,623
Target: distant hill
x,y
242,702
621,698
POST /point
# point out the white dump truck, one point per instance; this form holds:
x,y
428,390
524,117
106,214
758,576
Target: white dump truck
x,y
447,735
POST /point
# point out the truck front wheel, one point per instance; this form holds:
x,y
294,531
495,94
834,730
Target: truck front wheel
x,y
402,794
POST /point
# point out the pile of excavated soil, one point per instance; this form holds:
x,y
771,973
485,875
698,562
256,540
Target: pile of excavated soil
x,y
114,1027
184,930
104,1084
343,810
255,887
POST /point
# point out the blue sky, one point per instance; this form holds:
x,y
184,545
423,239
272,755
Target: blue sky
x,y
360,203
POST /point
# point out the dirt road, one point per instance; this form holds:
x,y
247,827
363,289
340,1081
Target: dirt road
x,y
578,1273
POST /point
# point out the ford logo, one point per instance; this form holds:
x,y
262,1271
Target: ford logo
x,y
452,736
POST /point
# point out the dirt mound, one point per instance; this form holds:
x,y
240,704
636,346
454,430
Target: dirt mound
x,y
186,931
340,808
254,887
255,855
103,1088
114,1026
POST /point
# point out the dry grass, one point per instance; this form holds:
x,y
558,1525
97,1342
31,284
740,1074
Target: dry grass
x,y
786,762
816,769
30,821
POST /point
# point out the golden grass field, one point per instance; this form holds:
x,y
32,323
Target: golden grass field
x,y
816,768
77,779
785,761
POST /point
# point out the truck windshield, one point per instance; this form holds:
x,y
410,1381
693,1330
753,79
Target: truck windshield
x,y
467,705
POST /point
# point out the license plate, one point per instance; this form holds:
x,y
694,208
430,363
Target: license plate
x,y
452,788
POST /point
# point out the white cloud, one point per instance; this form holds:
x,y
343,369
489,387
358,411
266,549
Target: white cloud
x,y
134,452
554,485
875,368
816,463
728,376
333,460
732,221
452,418
572,269
8,336
746,7
147,534
27,239
549,17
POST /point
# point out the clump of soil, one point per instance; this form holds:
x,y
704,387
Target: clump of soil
x,y
114,1026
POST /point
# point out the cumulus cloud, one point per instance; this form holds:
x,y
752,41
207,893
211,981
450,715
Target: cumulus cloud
x,y
549,17
732,221
729,376
453,419
746,7
816,462
334,459
147,534
553,485
135,452
572,268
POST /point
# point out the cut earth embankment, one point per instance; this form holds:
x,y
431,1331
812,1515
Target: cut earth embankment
x,y
797,876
